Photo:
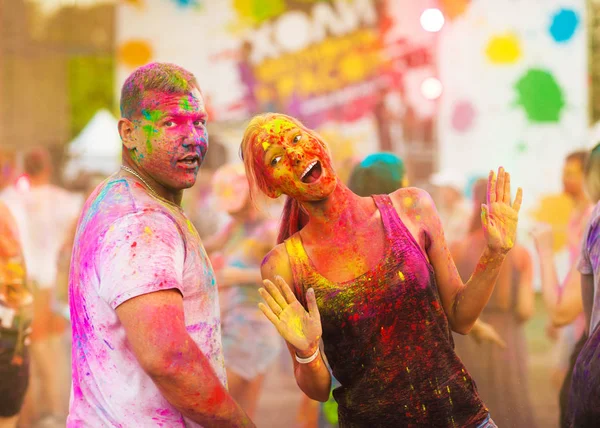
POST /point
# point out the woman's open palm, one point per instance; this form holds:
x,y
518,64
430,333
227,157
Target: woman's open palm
x,y
499,216
299,328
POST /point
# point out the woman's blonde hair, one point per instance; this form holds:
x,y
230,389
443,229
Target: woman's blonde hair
x,y
592,174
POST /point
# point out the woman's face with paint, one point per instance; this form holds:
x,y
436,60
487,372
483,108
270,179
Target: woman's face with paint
x,y
294,162
171,138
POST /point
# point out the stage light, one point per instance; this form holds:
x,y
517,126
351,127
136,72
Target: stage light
x,y
432,20
431,88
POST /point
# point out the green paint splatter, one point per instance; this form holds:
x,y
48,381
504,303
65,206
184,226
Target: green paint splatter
x,y
540,95
521,147
184,104
149,130
257,11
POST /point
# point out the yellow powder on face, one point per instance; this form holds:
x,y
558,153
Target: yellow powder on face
x,y
401,275
408,202
265,146
147,230
277,126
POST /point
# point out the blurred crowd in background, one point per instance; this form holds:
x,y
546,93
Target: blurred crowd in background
x,y
407,93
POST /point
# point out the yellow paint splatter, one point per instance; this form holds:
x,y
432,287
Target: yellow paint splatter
x,y
408,202
407,370
190,226
148,231
401,275
265,146
504,49
277,126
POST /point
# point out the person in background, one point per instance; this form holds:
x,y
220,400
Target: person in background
x,y
250,342
563,299
49,212
16,310
499,372
584,395
143,298
453,207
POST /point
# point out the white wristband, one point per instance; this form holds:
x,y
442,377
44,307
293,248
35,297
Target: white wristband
x,y
309,359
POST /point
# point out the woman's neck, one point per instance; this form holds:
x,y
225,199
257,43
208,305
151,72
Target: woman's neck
x,y
340,213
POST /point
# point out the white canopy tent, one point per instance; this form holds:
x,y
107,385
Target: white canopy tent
x,y
97,148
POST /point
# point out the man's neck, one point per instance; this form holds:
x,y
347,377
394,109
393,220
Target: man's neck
x,y
151,184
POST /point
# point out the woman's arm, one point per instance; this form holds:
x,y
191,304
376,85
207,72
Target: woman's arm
x,y
312,378
463,303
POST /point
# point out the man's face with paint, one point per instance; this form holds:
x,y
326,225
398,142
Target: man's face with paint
x,y
294,162
170,137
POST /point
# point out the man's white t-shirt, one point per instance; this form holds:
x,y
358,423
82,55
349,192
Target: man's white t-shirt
x,y
129,243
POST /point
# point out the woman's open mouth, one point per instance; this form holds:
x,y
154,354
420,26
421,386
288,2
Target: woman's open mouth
x,y
312,172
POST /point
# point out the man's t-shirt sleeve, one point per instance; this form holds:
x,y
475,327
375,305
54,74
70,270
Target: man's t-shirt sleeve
x,y
141,253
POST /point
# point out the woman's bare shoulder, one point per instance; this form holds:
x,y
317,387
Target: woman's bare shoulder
x,y
277,263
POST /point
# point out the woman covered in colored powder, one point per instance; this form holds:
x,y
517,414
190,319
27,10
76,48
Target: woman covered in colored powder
x,y
584,398
250,343
373,276
500,372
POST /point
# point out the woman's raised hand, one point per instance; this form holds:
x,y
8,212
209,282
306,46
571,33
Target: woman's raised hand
x,y
299,328
499,216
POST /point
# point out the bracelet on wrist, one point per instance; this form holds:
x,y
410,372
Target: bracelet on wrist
x,y
308,359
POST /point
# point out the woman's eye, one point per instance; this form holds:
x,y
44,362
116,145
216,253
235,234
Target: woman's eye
x,y
275,160
297,138
169,123
199,123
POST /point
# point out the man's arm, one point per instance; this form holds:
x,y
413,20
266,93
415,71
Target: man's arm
x,y
155,328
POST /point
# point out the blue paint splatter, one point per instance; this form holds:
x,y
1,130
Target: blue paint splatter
x,y
564,25
188,3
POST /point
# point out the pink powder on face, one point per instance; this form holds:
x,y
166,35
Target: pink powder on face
x,y
171,127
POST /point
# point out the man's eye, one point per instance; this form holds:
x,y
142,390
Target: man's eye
x,y
170,123
275,160
297,138
200,123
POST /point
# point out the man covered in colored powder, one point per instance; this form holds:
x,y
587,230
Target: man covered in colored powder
x,y
144,303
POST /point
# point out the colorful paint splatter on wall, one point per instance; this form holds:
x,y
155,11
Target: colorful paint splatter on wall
x,y
504,49
564,25
540,96
135,53
454,8
463,116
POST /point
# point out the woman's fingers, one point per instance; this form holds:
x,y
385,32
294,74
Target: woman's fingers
x,y
269,313
518,199
506,199
275,293
311,302
275,307
288,294
491,188
500,185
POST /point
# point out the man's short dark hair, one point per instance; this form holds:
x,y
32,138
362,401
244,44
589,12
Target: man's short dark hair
x,y
156,76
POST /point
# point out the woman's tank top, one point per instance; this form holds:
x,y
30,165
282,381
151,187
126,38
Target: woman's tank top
x,y
387,338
